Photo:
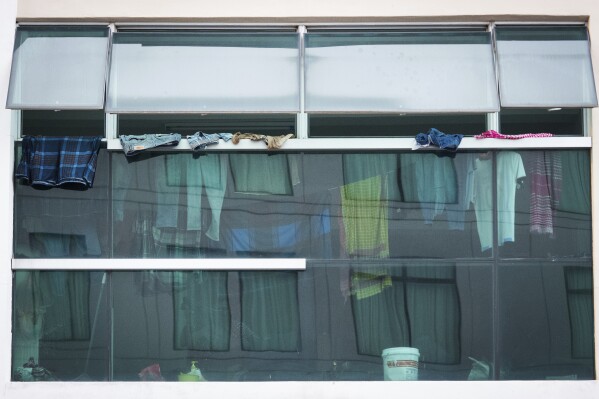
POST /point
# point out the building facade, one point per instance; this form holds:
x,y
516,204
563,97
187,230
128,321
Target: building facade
x,y
290,270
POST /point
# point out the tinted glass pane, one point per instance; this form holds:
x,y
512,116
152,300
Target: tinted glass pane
x,y
63,123
60,326
189,124
201,72
58,223
551,204
563,122
330,322
311,205
58,68
394,126
545,67
317,205
400,72
546,321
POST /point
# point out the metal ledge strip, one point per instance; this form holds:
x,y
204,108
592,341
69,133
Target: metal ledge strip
x,y
159,264
355,144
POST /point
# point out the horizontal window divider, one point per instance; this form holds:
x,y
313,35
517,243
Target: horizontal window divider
x,y
201,26
160,264
378,143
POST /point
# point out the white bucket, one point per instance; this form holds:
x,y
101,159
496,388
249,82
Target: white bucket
x,y
400,364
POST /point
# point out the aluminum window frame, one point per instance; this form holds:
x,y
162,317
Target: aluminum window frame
x,y
302,143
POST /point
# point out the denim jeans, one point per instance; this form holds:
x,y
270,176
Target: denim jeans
x,y
135,144
200,140
449,142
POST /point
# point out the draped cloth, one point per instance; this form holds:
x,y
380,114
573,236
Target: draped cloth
x,y
545,169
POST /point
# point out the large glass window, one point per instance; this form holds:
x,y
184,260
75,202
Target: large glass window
x,y
316,205
60,326
477,262
480,261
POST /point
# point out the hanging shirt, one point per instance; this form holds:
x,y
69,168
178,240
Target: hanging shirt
x,y
66,162
545,168
509,169
429,180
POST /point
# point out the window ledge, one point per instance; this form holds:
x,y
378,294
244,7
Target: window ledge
x,y
160,264
395,143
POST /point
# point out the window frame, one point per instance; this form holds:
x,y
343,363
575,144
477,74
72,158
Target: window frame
x,y
330,388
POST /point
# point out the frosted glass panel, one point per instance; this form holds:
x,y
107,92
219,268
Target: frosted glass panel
x,y
400,72
58,68
204,72
545,67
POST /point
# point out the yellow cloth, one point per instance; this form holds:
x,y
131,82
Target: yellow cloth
x,y
367,283
365,219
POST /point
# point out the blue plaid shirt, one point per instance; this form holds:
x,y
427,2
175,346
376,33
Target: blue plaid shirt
x,y
67,162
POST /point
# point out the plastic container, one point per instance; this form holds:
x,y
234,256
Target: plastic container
x,y
400,364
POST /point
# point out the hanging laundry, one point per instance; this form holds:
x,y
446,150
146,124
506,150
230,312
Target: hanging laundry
x,y
429,180
576,182
545,189
510,169
365,219
492,134
200,140
456,213
133,144
64,162
272,142
435,137
179,186
368,282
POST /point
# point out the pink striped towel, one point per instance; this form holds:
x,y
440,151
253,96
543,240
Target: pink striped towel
x,y
492,134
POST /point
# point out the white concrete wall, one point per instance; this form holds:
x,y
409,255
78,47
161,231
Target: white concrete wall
x,y
8,12
275,11
296,9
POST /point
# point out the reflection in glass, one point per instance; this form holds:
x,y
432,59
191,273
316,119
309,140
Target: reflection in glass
x,y
551,206
413,306
59,326
59,223
579,288
269,312
329,322
545,322
388,205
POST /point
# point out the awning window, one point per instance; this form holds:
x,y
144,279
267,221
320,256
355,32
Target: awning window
x,y
410,72
204,72
58,68
545,67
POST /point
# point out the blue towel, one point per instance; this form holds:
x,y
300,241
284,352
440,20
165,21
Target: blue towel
x,y
66,162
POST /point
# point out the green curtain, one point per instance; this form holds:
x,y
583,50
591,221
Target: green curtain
x,y
579,287
265,174
270,311
202,314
